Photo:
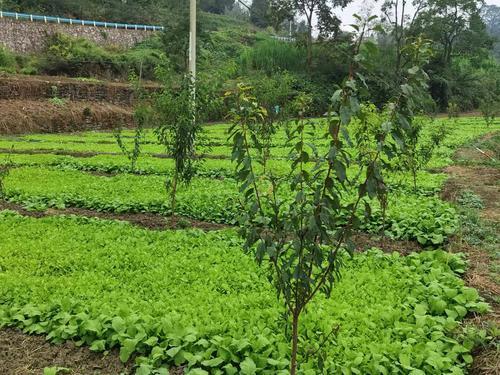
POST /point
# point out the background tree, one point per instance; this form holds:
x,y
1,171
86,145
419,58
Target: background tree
x,y
142,118
491,17
399,20
279,12
216,6
327,21
444,21
259,12
175,37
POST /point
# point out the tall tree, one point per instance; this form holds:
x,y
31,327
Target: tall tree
x,y
280,11
399,17
259,11
491,17
327,21
216,6
444,21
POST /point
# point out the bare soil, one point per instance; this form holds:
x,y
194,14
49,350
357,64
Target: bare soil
x,y
365,241
484,182
144,220
77,154
22,354
88,154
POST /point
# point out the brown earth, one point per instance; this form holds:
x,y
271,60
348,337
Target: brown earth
x,y
365,241
144,220
484,182
479,152
362,241
88,154
22,354
77,154
26,354
44,116
24,87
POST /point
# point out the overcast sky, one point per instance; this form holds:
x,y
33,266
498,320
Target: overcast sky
x,y
359,6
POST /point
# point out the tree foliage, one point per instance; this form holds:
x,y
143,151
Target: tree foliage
x,y
178,114
301,238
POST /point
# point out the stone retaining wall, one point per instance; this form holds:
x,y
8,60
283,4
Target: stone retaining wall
x,y
25,36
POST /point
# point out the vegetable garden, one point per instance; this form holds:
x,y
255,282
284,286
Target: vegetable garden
x,y
193,300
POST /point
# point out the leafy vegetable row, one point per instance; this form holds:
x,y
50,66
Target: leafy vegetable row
x,y
213,168
426,219
193,299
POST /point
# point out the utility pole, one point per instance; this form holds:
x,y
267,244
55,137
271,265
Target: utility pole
x,y
192,39
192,56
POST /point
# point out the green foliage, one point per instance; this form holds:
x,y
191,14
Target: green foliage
x,y
7,60
418,152
470,200
301,237
272,56
60,102
205,198
178,115
55,370
453,110
78,57
84,282
5,167
259,11
142,11
142,118
489,109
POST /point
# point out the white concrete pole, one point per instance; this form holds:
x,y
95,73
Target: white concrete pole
x,y
192,38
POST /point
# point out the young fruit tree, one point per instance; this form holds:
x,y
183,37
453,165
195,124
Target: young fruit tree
x,y
5,166
142,117
178,118
489,109
419,149
299,225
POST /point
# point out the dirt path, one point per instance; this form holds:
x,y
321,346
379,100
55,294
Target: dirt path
x,y
483,181
89,154
475,175
144,220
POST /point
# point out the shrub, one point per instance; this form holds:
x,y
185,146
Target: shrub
x,y
271,56
78,57
143,61
7,60
74,56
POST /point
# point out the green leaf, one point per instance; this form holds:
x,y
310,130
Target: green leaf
x,y
197,371
248,367
230,369
405,361
214,362
128,347
118,324
98,345
172,352
55,370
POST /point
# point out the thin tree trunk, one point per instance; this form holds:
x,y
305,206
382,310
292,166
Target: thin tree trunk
x,y
295,339
174,192
309,42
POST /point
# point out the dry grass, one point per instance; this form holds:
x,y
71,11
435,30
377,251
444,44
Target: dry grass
x,y
43,116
